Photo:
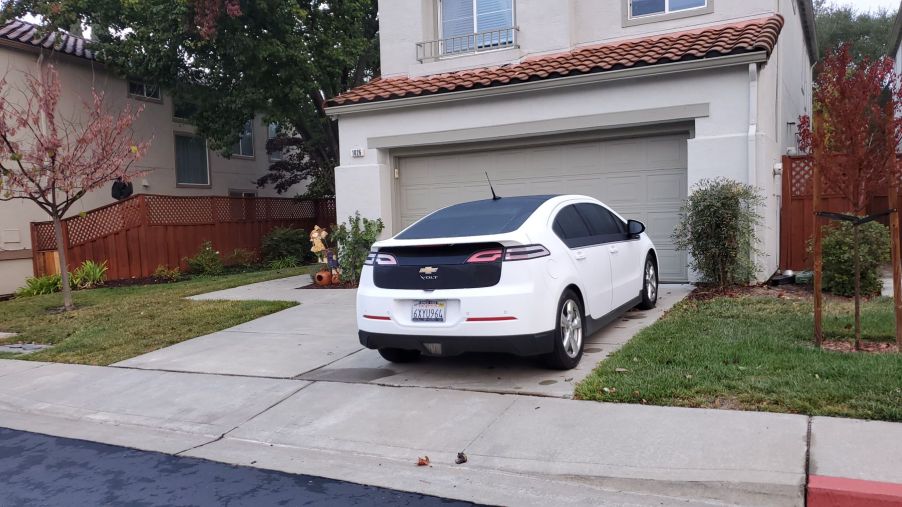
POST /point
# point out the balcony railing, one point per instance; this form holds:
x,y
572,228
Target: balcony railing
x,y
467,44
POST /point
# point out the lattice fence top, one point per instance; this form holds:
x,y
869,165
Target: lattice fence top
x,y
801,171
43,236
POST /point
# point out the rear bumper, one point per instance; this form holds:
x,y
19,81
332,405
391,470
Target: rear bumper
x,y
521,345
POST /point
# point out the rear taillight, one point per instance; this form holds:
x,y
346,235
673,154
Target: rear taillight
x,y
382,259
522,253
493,255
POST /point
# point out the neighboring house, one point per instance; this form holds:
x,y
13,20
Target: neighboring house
x,y
629,101
177,163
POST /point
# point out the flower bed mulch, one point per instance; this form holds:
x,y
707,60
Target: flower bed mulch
x,y
342,285
866,346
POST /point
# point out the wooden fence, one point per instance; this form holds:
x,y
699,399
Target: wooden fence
x,y
796,218
144,231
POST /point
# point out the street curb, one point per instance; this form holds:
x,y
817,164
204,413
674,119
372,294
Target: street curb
x,y
839,491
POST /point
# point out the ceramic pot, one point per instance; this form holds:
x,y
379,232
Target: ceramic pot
x,y
323,277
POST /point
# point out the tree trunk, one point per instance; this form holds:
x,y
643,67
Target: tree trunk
x,y
64,265
857,289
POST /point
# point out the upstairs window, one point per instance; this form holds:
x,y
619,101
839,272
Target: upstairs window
x,y
652,7
245,145
191,160
142,90
476,24
272,131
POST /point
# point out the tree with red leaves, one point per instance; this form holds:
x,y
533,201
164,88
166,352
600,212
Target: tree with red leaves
x,y
853,145
54,161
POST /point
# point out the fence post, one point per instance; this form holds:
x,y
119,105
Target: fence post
x,y
897,257
34,250
818,254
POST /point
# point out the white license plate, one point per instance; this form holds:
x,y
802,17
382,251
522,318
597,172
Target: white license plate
x,y
428,311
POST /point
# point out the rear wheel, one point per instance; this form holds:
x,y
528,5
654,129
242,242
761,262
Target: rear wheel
x,y
399,355
568,334
649,285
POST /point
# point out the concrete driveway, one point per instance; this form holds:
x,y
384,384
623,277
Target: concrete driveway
x,y
317,340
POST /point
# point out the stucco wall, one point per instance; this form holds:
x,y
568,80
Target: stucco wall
x,y
544,27
155,122
718,147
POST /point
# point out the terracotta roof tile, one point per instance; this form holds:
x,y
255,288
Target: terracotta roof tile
x,y
711,42
21,31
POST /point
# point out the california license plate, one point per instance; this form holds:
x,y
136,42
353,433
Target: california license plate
x,y
428,311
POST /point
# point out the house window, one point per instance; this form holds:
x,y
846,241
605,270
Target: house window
x,y
272,131
245,145
142,90
184,110
191,166
242,193
651,7
467,25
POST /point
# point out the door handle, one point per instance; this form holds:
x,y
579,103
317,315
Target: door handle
x,y
614,249
579,255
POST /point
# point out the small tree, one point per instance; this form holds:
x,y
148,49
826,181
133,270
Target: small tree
x,y
853,148
54,161
717,226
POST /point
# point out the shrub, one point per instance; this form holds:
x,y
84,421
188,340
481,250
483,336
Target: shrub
x,y
354,239
243,258
167,274
284,242
717,227
283,263
89,275
839,257
36,286
206,261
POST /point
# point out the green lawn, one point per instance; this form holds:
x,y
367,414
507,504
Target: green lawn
x,y
755,353
114,324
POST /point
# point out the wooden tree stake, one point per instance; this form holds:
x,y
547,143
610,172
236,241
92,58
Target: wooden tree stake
x,y
818,256
897,258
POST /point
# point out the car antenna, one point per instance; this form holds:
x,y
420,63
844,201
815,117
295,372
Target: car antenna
x,y
494,197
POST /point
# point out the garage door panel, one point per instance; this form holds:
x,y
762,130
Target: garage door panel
x,y
643,179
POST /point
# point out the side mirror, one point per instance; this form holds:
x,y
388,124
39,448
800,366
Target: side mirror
x,y
634,227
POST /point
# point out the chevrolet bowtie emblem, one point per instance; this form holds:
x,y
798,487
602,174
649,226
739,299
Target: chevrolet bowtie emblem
x,y
428,270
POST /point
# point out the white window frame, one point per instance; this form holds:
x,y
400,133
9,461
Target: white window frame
x,y
441,31
667,14
209,182
143,95
275,156
248,129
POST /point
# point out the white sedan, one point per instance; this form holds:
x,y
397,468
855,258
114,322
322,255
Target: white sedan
x,y
531,275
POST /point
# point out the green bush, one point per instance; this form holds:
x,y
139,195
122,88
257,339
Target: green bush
x,y
283,263
206,261
354,239
242,258
717,226
36,286
89,275
839,258
167,274
284,242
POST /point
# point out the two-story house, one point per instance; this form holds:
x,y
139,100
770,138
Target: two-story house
x,y
177,163
629,101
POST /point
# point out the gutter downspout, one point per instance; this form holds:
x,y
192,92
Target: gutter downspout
x,y
753,125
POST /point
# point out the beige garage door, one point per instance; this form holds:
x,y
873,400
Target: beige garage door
x,y
643,179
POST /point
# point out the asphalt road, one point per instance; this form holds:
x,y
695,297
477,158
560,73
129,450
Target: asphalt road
x,y
43,470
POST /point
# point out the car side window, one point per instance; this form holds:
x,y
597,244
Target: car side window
x,y
571,228
604,225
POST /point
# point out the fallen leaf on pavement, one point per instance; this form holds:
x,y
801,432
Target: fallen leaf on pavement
x,y
423,462
461,458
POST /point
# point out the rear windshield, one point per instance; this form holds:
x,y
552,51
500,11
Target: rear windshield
x,y
477,218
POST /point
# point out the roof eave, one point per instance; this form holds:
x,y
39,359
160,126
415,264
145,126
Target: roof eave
x,y
759,56
896,34
806,8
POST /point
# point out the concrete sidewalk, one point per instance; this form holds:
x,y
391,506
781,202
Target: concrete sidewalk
x,y
522,450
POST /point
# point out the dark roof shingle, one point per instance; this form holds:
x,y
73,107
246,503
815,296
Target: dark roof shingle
x,y
743,37
26,33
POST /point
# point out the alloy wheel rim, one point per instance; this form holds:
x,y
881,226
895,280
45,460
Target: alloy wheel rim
x,y
571,328
651,281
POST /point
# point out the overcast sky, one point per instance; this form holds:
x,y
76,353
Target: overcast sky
x,y
867,5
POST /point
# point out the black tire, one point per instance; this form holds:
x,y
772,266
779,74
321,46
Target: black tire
x,y
565,355
649,279
400,355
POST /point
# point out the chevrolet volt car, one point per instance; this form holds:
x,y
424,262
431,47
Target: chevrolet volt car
x,y
530,275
